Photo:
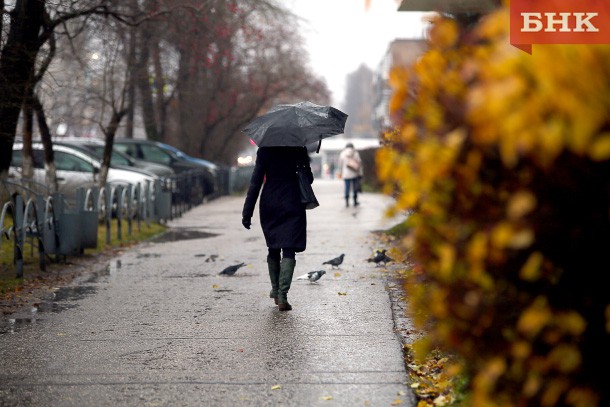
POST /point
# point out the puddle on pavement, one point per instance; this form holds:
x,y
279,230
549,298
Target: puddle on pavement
x,y
63,298
110,270
174,235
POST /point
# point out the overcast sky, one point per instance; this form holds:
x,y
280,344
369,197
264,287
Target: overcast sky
x,y
341,35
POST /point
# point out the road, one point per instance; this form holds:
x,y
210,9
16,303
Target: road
x,y
159,327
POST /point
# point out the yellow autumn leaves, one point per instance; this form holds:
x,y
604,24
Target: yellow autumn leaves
x,y
482,134
526,109
539,106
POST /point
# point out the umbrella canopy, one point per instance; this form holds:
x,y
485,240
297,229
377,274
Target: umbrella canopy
x,y
296,125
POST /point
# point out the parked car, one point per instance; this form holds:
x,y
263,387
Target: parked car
x,y
74,169
118,158
162,153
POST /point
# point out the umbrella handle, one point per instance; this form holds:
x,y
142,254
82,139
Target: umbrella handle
x,y
319,145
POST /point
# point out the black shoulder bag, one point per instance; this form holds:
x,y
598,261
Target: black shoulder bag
x,y
308,198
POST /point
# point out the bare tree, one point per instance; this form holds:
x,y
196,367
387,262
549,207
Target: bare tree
x,y
202,69
17,59
113,94
210,71
32,24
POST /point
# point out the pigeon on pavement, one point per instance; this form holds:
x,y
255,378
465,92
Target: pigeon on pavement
x,y
229,271
316,275
380,257
312,276
336,261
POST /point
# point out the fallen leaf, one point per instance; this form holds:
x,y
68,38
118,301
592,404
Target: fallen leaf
x,y
396,402
326,398
276,387
337,274
215,286
441,401
340,293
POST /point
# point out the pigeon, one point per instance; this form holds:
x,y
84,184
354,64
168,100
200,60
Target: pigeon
x,y
336,261
380,257
229,271
312,276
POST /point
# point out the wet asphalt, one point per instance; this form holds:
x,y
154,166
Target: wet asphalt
x,y
159,327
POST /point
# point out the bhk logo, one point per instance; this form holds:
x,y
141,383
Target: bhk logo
x,y
559,22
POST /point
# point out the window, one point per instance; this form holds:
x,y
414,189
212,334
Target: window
x,y
38,156
115,159
155,154
124,149
17,158
68,162
118,159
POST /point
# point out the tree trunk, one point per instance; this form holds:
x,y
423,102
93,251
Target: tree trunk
x,y
16,63
27,163
146,95
131,86
45,135
189,111
1,20
159,84
110,132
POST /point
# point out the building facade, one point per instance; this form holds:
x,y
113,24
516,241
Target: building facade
x,y
400,53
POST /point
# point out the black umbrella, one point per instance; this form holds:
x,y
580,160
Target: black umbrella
x,y
296,125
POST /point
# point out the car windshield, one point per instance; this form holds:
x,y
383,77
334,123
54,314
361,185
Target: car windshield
x,y
68,162
97,151
174,150
117,158
183,155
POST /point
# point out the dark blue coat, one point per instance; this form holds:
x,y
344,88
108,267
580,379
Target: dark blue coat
x,y
282,214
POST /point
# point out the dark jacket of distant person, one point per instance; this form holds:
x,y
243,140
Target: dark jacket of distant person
x,y
282,215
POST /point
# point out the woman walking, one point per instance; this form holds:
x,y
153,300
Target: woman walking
x,y
282,215
351,171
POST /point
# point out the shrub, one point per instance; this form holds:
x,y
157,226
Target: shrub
x,y
504,160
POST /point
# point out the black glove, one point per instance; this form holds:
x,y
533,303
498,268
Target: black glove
x,y
246,222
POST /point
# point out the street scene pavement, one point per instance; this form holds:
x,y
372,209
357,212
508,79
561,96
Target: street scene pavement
x,y
158,326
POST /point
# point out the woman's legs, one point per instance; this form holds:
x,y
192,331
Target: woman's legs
x,y
289,253
273,263
274,254
287,266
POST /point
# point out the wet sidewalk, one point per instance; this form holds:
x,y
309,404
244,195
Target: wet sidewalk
x,y
160,327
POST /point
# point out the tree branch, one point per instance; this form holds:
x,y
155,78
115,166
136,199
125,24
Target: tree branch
x,y
129,19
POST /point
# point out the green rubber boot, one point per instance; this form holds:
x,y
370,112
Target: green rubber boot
x,y
274,276
286,272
